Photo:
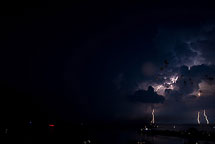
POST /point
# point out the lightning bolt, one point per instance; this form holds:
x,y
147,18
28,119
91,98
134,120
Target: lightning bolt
x,y
153,116
198,118
206,117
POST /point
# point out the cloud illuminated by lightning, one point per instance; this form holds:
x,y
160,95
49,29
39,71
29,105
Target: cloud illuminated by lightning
x,y
169,83
174,79
199,94
158,87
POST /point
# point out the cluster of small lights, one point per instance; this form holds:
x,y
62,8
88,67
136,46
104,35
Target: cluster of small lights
x,y
6,130
139,142
86,141
144,129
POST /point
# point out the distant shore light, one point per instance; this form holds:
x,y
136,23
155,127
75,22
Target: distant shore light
x,y
51,125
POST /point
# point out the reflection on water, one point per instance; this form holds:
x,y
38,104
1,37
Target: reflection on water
x,y
174,140
133,137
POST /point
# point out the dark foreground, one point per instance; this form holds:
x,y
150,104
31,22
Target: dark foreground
x,y
107,134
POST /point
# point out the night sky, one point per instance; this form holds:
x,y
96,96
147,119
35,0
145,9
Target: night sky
x,y
107,62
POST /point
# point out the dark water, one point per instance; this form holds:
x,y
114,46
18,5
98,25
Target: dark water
x,y
133,137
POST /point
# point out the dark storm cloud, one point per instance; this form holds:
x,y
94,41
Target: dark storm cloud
x,y
190,55
172,45
186,45
202,71
173,95
183,50
189,80
179,45
205,43
184,99
147,96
